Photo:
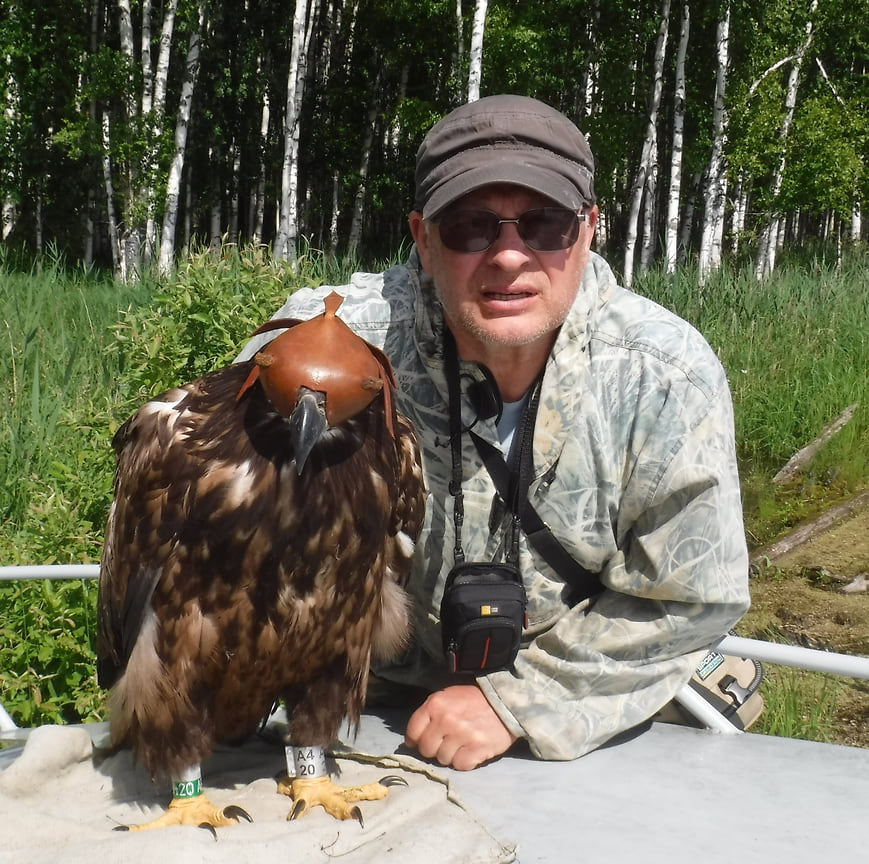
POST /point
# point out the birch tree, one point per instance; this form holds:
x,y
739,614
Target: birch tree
x,y
154,104
285,242
359,201
182,122
673,198
10,111
129,239
716,181
769,237
475,65
646,175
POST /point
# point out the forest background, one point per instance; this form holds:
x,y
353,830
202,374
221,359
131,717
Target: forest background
x,y
169,171
132,129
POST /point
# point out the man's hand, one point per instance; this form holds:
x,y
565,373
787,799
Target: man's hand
x,y
458,727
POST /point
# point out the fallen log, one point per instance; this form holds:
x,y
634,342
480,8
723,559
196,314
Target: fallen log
x,y
781,547
804,456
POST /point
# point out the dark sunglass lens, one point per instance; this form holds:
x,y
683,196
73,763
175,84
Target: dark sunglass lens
x,y
549,228
468,230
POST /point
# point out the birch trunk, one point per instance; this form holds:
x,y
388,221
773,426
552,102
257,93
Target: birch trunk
x,y
10,112
336,212
856,223
258,220
647,171
234,204
716,183
767,246
285,242
157,106
475,63
110,194
93,116
459,56
650,212
673,198
359,200
145,51
740,208
129,239
182,123
687,228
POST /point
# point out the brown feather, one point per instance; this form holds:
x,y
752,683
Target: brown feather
x,y
228,581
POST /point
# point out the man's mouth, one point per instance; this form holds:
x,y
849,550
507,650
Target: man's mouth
x,y
506,296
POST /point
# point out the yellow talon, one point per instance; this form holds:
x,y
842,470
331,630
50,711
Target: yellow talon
x,y
197,811
335,800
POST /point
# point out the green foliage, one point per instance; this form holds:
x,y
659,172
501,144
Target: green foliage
x,y
795,350
83,352
197,321
47,659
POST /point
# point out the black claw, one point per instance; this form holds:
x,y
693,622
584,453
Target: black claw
x,y
209,827
298,809
392,780
121,828
236,812
356,813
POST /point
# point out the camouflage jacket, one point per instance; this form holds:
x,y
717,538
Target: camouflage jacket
x,y
634,472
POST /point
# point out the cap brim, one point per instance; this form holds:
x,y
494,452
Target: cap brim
x,y
549,183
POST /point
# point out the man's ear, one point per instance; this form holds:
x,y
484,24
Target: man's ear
x,y
419,232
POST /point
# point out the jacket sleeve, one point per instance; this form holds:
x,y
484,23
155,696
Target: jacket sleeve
x,y
677,583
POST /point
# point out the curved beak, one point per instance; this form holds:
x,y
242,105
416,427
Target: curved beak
x,y
307,423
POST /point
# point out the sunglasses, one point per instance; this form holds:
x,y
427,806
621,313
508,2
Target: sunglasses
x,y
544,229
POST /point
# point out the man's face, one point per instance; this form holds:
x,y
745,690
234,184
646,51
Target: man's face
x,y
508,295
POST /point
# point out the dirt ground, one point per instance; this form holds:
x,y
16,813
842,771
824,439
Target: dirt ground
x,y
816,596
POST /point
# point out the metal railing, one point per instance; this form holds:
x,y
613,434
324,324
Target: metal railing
x,y
847,665
49,571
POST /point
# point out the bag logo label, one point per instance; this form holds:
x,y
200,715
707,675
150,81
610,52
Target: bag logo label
x,y
710,663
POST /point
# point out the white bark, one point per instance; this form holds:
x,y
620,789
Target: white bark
x,y
856,222
260,199
285,242
336,212
182,122
147,66
10,111
130,241
110,194
460,42
646,176
673,198
157,106
232,230
740,208
769,237
709,259
475,63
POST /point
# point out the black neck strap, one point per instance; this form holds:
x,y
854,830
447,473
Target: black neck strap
x,y
512,483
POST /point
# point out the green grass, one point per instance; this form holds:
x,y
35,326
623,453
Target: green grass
x,y
79,351
797,704
796,351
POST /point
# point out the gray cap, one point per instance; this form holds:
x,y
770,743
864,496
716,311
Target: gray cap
x,y
503,139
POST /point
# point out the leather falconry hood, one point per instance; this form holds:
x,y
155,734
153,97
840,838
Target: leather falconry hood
x,y
322,354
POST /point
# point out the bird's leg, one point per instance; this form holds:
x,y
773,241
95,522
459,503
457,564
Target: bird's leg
x,y
190,806
308,784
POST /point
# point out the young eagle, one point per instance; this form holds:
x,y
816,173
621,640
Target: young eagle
x,y
262,527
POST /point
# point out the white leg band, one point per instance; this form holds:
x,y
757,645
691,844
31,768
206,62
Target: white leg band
x,y
189,784
306,762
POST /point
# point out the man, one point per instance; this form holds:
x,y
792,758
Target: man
x,y
633,468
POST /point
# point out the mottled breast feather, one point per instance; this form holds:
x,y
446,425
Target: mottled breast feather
x,y
228,581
